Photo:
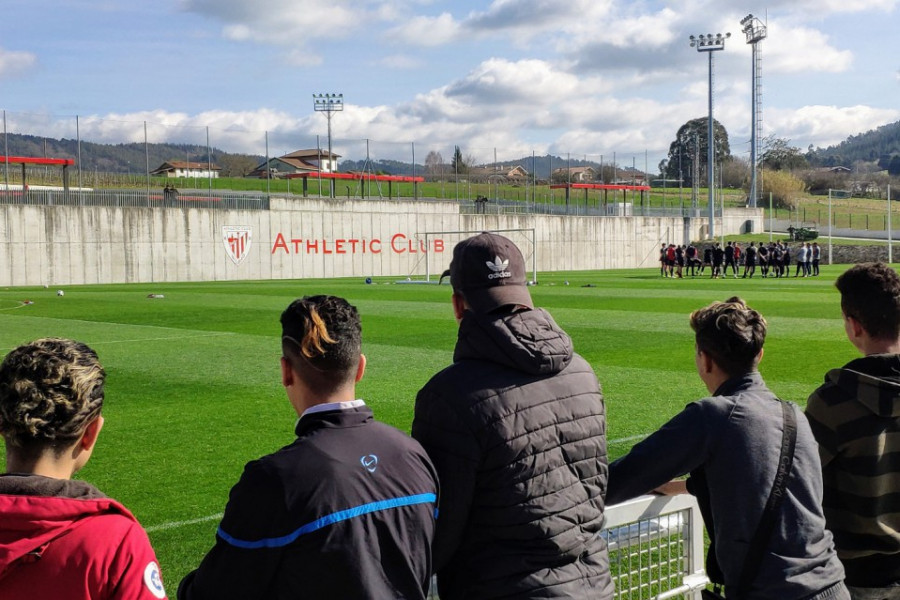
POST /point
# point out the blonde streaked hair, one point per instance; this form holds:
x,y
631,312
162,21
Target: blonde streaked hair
x,y
321,339
50,390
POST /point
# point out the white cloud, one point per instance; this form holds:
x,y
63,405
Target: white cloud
x,y
281,22
303,57
801,49
502,83
827,7
426,31
826,125
400,62
15,63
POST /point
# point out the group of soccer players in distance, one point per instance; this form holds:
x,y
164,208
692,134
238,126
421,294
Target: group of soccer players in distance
x,y
773,259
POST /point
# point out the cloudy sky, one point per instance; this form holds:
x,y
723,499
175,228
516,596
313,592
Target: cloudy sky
x,y
577,77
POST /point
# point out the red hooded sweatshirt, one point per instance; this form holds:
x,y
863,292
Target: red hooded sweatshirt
x,y
65,539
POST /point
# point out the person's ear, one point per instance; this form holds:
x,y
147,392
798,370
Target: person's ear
x,y
360,368
459,306
287,373
855,327
91,432
759,356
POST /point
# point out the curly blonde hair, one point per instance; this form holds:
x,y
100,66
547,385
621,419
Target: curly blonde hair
x,y
50,390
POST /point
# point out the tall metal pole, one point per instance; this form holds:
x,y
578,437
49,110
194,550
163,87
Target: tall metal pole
x,y
329,104
753,135
77,152
889,232
709,44
6,152
147,161
710,157
208,163
829,226
755,31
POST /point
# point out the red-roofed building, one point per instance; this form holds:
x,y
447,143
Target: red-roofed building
x,y
299,161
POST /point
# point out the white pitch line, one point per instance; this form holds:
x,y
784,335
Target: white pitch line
x,y
630,438
176,524
158,339
21,305
166,339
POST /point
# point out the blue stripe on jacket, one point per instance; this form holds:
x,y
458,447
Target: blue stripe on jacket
x,y
341,515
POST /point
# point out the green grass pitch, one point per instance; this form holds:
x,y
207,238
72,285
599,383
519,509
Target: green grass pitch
x,y
193,389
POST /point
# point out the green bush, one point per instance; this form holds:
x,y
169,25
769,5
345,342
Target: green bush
x,y
783,186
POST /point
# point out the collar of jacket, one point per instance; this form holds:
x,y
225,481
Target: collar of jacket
x,y
741,382
28,484
348,417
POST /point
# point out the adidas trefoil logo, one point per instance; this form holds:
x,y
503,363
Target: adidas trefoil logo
x,y
499,268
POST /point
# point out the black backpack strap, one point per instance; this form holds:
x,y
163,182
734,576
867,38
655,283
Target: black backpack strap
x,y
770,514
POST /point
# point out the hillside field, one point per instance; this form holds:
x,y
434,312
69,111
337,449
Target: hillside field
x,y
193,389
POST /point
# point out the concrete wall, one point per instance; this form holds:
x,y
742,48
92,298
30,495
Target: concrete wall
x,y
308,238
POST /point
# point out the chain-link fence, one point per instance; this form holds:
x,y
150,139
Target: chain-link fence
x,y
149,155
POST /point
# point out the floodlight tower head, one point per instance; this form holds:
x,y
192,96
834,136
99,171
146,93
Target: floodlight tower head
x,y
754,29
328,103
709,42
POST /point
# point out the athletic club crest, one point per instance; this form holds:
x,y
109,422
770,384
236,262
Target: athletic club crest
x,y
237,242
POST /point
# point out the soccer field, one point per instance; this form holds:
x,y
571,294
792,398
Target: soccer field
x,y
193,389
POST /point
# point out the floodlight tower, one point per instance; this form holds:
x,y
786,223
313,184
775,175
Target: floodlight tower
x,y
328,104
755,30
710,43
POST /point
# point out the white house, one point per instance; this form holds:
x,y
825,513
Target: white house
x,y
180,168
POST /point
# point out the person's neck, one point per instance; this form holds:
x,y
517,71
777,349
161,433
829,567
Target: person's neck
x,y
879,346
306,402
47,466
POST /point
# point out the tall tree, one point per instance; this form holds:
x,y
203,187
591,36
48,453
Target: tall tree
x,y
690,142
779,155
458,163
894,167
433,163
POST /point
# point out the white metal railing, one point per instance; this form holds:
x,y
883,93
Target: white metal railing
x,y
655,548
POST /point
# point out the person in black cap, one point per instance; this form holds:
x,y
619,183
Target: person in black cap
x,y
345,511
516,428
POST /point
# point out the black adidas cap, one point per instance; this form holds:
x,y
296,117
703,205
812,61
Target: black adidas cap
x,y
489,271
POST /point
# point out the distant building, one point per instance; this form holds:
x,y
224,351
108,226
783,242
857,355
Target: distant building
x,y
574,174
835,169
299,161
180,168
501,172
629,176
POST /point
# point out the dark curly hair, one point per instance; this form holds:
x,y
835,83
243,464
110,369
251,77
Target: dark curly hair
x,y
50,390
731,333
321,339
870,293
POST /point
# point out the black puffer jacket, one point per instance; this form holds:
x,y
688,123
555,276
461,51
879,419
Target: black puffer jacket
x,y
516,428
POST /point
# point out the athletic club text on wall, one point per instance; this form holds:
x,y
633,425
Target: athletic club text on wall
x,y
398,243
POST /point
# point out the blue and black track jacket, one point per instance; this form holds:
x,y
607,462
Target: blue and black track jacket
x,y
346,511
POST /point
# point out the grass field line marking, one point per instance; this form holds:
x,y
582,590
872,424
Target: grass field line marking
x,y
21,305
176,524
165,339
630,438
